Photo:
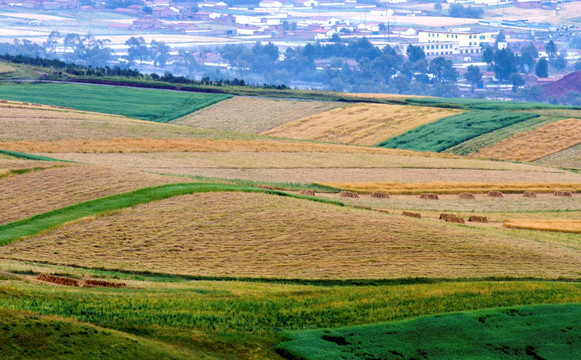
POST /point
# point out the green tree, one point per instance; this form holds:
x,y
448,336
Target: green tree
x,y
137,49
473,75
505,63
551,50
415,53
159,52
516,80
542,68
560,63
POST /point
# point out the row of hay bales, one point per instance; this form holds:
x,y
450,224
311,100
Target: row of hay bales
x,y
59,280
429,196
460,220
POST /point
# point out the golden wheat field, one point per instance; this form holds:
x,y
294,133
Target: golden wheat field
x,y
536,144
361,124
559,225
253,115
41,123
40,191
9,163
458,187
260,235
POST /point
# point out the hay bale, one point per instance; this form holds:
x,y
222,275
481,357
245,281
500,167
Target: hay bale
x,y
530,194
562,193
57,280
103,283
429,196
444,216
380,195
348,194
454,219
307,192
480,219
496,194
411,214
467,196
264,187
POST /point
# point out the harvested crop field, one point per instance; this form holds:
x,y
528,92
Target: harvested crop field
x,y
260,235
536,144
572,226
361,124
253,115
570,158
41,191
457,187
45,123
128,145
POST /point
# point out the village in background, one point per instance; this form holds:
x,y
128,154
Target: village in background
x,y
498,49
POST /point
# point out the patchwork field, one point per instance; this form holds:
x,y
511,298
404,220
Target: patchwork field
x,y
144,104
453,130
361,124
253,115
43,123
40,191
547,140
259,235
570,158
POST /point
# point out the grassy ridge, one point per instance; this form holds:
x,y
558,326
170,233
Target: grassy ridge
x,y
29,336
528,332
26,156
479,104
144,104
33,225
453,130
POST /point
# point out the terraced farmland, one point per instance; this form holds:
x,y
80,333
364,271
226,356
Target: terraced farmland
x,y
144,104
361,124
260,235
536,144
253,115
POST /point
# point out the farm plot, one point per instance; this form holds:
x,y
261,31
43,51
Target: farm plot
x,y
528,332
453,130
143,104
40,191
536,144
43,123
253,115
361,124
559,225
570,158
260,235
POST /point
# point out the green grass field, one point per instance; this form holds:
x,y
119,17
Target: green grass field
x,y
478,104
453,130
144,104
529,332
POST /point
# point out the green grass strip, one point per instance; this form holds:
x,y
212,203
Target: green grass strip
x,y
42,222
520,332
30,156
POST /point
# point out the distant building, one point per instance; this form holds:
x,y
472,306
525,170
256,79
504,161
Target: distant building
x,y
270,4
464,39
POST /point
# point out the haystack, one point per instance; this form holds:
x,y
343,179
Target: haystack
x,y
480,219
57,280
455,219
467,196
348,194
496,194
380,195
562,193
530,194
411,214
429,196
307,192
103,283
444,216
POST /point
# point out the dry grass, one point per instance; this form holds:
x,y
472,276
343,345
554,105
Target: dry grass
x,y
536,144
8,163
40,191
260,235
453,187
6,68
130,145
361,124
253,115
570,158
42,123
572,226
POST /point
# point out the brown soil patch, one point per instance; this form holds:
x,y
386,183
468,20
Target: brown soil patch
x,y
260,235
536,144
361,124
253,115
40,191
